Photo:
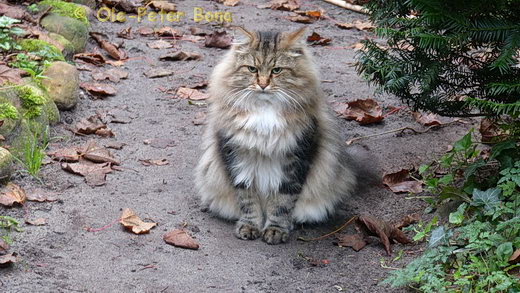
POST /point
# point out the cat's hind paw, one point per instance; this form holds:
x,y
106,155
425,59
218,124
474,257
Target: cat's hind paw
x,y
275,235
246,231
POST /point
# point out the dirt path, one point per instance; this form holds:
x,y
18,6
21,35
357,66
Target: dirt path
x,y
63,257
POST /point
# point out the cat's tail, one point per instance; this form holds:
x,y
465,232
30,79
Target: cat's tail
x,y
365,167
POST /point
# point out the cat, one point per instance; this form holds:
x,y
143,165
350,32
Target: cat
x,y
272,155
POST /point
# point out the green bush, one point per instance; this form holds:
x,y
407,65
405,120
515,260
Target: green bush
x,y
454,58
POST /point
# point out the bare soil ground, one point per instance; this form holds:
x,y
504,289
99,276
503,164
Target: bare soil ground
x,y
63,257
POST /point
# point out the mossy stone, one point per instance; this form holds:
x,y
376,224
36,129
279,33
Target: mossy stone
x,y
68,48
62,84
6,164
72,29
9,96
38,97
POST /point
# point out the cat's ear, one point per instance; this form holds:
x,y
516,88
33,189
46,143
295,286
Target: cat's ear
x,y
289,39
250,37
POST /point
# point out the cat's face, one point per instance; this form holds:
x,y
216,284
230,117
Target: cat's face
x,y
271,66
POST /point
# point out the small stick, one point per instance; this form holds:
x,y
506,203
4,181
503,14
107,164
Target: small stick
x,y
90,229
331,233
343,4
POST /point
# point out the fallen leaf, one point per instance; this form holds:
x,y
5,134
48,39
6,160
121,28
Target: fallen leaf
x,y
91,58
12,11
400,182
9,259
356,241
99,89
515,257
36,222
115,145
316,40
180,238
200,118
386,232
156,72
198,31
160,44
426,119
145,31
13,75
162,5
287,5
95,174
180,56
167,31
41,195
11,194
192,94
98,154
407,221
149,162
116,63
70,154
301,18
4,247
160,143
490,131
132,222
229,2
126,33
112,74
357,24
357,46
363,111
89,125
110,48
130,6
218,39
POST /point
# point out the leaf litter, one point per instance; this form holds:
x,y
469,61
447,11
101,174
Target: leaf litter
x,y
365,111
12,194
180,56
316,40
400,181
192,94
218,39
133,223
180,238
112,74
98,90
112,50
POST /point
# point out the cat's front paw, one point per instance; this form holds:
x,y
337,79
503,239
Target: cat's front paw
x,y
275,235
246,231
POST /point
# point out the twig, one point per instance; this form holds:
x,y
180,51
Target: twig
x,y
90,229
331,233
350,141
343,4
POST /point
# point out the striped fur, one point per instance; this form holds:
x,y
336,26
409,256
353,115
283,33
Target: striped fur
x,y
271,156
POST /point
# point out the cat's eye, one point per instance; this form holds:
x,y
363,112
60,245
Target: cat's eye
x,y
252,69
276,70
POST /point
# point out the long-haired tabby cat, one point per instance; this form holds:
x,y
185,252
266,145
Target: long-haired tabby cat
x,y
272,156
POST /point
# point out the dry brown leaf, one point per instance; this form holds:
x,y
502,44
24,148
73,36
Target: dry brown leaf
x,y
95,174
198,31
132,222
386,232
490,132
145,31
112,74
357,46
301,18
160,44
218,39
157,72
126,33
110,48
36,222
70,154
356,241
12,11
426,119
407,221
8,259
316,40
400,182
167,31
41,195
91,58
180,56
90,125
192,94
98,154
11,194
229,2
357,24
115,145
99,89
162,5
8,74
180,238
150,162
515,257
363,111
287,5
200,118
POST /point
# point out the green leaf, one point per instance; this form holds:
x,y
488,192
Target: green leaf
x,y
504,251
471,169
458,216
500,147
438,237
446,179
423,168
464,143
489,198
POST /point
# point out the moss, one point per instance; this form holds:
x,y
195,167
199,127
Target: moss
x,y
32,100
8,111
67,9
41,48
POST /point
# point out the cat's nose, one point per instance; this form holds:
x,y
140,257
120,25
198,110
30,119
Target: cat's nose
x,y
263,82
263,86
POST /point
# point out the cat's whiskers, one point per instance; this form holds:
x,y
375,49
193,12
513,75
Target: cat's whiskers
x,y
290,99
